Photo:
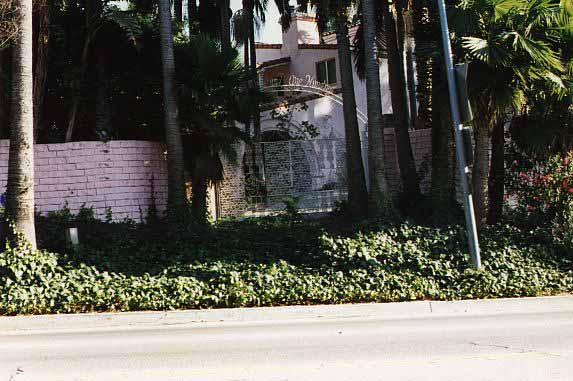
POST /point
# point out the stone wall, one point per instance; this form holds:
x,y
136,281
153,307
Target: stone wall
x,y
126,177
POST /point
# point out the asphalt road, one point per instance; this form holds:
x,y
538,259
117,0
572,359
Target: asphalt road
x,y
502,346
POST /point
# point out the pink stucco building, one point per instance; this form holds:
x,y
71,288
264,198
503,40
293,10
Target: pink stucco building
x,y
309,168
306,56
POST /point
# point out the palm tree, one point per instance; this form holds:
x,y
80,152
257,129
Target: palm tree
x,y
245,23
378,185
397,77
356,181
389,35
212,98
40,65
508,45
98,19
192,13
178,10
433,110
423,24
225,10
20,187
175,163
336,12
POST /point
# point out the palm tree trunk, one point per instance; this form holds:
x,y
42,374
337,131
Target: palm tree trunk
x,y
175,163
408,174
225,25
199,199
256,117
77,90
40,71
407,47
357,194
398,15
480,168
442,181
378,184
77,86
497,172
3,102
246,58
178,11
253,65
191,14
103,112
423,31
20,188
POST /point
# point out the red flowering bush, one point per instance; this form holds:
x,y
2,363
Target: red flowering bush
x,y
542,192
542,188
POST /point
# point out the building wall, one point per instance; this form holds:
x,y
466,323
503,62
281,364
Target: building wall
x,y
273,72
265,53
125,176
303,59
303,62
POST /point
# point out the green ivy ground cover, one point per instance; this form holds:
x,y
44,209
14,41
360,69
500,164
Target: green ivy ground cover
x,y
126,267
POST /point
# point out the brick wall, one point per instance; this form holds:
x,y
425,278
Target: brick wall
x,y
421,141
125,176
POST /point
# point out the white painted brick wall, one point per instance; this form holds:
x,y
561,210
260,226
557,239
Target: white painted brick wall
x,y
122,175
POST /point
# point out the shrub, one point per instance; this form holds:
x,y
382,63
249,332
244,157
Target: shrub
x,y
543,188
266,262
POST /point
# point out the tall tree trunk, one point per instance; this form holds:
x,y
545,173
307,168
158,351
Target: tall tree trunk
x,y
175,163
497,172
20,187
442,181
397,12
246,58
91,8
225,25
3,102
410,68
253,65
103,112
378,184
357,194
480,170
199,199
178,10
256,117
40,70
77,92
424,29
191,15
408,174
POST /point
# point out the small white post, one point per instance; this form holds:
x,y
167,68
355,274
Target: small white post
x,y
72,238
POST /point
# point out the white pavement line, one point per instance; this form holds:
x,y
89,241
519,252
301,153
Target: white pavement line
x,y
385,311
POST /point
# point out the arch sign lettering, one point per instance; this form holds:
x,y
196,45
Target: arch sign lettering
x,y
309,85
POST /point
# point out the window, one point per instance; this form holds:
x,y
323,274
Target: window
x,y
326,71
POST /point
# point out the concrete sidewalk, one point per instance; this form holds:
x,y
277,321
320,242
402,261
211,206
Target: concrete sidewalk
x,y
385,311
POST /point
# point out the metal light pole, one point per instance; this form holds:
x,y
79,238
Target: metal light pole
x,y
460,155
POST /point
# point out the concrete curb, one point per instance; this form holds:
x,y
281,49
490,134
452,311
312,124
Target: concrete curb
x,y
381,311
